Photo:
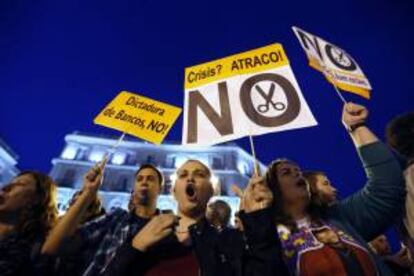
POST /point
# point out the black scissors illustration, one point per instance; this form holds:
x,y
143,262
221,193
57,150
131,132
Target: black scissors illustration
x,y
340,57
263,108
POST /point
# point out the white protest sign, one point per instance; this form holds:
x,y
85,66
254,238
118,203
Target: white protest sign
x,y
251,93
337,65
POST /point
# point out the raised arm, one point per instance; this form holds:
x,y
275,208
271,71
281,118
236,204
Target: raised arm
x,y
377,205
69,223
354,118
263,249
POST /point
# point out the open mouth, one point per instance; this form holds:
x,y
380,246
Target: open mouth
x,y
191,192
144,196
301,183
144,192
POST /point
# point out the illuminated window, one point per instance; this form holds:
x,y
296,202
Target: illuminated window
x,y
96,155
69,152
242,167
119,158
216,184
173,178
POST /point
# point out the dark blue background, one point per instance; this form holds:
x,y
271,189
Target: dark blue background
x,y
61,62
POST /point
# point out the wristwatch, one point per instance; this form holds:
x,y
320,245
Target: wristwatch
x,y
353,127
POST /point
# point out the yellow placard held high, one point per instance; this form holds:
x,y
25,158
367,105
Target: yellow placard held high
x,y
139,116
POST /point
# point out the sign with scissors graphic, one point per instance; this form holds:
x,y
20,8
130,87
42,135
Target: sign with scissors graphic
x,y
337,65
264,108
250,93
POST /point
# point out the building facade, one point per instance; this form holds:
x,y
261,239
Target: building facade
x,y
8,162
230,165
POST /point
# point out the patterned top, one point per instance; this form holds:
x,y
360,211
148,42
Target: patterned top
x,y
109,232
296,244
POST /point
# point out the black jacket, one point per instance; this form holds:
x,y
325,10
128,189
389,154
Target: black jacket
x,y
256,252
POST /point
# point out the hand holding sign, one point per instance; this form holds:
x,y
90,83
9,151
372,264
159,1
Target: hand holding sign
x,y
402,258
93,178
256,196
354,114
239,193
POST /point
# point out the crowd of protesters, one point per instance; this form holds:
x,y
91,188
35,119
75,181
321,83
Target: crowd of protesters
x,y
290,221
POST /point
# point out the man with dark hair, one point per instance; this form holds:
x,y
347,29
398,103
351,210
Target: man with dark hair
x,y
218,214
150,166
137,199
108,232
400,136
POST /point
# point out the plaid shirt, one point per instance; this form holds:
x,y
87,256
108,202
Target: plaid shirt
x,y
108,232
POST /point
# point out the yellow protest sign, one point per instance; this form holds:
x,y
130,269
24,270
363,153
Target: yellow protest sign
x,y
139,116
252,61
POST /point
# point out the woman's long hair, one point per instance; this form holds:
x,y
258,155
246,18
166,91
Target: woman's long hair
x,y
39,216
94,210
314,209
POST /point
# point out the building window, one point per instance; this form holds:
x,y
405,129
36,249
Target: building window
x,y
150,160
243,167
169,162
69,152
119,158
217,163
96,155
123,184
131,160
82,154
68,179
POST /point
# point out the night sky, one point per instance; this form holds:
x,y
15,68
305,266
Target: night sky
x,y
61,62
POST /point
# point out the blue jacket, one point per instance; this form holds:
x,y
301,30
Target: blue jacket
x,y
370,211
